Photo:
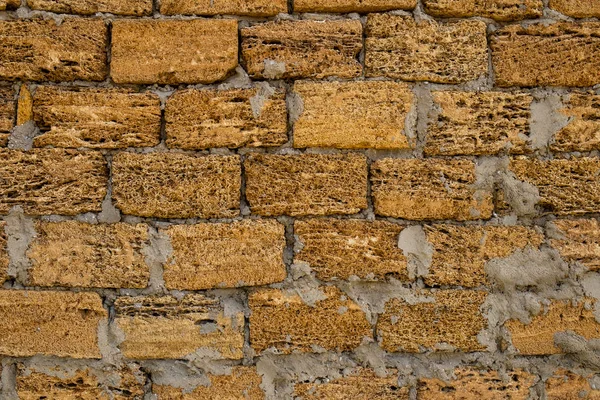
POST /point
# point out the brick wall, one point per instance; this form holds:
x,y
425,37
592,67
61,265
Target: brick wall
x,y
315,199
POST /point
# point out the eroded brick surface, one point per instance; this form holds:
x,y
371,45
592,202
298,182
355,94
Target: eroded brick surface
x,y
4,260
576,8
256,8
577,240
8,111
88,7
348,6
582,132
567,385
500,10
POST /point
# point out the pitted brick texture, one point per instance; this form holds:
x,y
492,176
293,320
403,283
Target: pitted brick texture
x,y
500,10
346,6
254,8
89,7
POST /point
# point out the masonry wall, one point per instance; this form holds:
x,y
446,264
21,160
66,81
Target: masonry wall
x,y
316,199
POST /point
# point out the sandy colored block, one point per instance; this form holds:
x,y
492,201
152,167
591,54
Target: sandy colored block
x,y
9,5
500,10
398,47
7,110
216,255
302,49
471,384
582,133
52,181
165,327
354,115
172,185
173,51
537,338
461,252
577,8
361,383
428,189
560,54
283,321
3,254
96,118
578,240
254,8
445,318
567,385
76,254
306,184
24,105
242,383
62,324
564,186
349,6
89,7
41,50
202,119
342,248
478,123
54,382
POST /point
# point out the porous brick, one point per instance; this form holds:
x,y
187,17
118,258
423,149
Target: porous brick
x,y
9,5
41,50
53,382
349,6
62,324
441,319
428,189
398,47
565,186
205,256
578,240
582,132
89,7
24,105
170,185
567,385
460,252
167,327
52,181
576,8
255,8
307,184
354,115
283,321
537,337
173,51
4,260
361,383
7,113
471,384
96,118
242,383
500,10
302,49
547,54
201,119
479,123
76,254
341,249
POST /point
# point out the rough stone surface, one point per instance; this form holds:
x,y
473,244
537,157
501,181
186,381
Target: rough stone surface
x,y
566,385
171,185
302,49
460,253
445,318
201,119
547,55
62,324
576,8
399,47
255,8
578,240
34,383
247,253
52,181
76,254
348,6
167,327
537,337
3,254
353,115
360,384
9,5
89,7
242,383
479,123
283,321
471,384
500,10
308,184
41,50
173,51
582,132
428,189
7,113
340,249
